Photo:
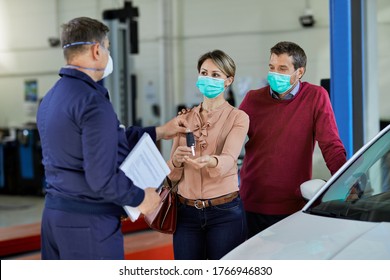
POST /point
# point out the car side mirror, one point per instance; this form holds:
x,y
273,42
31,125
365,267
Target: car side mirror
x,y
311,187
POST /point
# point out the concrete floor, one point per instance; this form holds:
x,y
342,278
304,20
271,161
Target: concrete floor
x,y
18,210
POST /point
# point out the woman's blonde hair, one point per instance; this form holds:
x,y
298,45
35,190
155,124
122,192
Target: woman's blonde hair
x,y
224,62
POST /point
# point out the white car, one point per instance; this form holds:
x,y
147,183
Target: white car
x,y
346,218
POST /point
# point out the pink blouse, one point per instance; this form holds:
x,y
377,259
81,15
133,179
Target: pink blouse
x,y
222,135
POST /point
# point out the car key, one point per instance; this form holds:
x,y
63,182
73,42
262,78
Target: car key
x,y
190,141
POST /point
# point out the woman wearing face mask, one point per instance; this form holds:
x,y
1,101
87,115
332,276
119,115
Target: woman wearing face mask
x,y
211,220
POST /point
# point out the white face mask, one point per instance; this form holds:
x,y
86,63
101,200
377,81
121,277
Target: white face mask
x,y
109,67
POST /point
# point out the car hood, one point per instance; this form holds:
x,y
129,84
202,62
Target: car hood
x,y
303,236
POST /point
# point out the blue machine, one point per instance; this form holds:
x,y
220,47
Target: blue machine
x,y
31,171
9,170
26,153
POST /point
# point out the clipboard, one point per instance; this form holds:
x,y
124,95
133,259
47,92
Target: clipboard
x,y
146,167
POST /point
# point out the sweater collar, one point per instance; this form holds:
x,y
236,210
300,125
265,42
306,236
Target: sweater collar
x,y
291,95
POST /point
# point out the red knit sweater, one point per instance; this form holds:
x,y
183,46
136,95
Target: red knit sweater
x,y
279,152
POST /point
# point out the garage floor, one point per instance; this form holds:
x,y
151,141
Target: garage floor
x,y
17,210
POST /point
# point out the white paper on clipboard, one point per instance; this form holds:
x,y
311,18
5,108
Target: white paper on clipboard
x,y
146,167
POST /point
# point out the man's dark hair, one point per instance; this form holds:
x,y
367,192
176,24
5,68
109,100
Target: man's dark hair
x,y
82,29
291,49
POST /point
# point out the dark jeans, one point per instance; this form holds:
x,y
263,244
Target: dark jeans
x,y
209,233
259,222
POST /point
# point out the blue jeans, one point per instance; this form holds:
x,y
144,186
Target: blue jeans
x,y
208,233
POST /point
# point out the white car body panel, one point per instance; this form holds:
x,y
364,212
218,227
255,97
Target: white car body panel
x,y
329,238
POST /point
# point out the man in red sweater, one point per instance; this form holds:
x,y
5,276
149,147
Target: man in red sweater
x,y
287,117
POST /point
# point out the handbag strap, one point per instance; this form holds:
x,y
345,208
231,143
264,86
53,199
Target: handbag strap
x,y
172,186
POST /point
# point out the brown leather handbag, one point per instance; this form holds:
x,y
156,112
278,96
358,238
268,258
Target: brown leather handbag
x,y
163,219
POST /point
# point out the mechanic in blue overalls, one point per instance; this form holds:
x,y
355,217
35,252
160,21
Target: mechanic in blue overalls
x,y
83,145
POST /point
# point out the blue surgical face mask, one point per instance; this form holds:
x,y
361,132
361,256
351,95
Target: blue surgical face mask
x,y
279,82
210,87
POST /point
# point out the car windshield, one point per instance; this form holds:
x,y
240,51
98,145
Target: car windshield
x,y
362,192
